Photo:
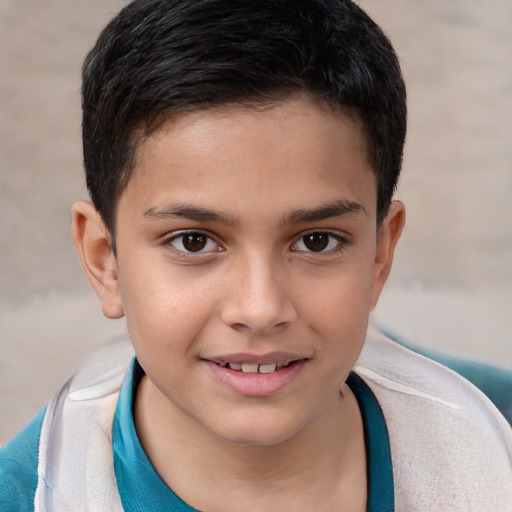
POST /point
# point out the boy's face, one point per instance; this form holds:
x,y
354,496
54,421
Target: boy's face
x,y
248,237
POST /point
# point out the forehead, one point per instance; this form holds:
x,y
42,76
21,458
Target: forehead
x,y
295,150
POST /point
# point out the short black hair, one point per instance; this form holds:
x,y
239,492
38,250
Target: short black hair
x,y
158,58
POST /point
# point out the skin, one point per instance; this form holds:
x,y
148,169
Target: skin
x,y
254,182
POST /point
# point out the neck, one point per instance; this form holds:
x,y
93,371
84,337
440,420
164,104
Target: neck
x,y
280,477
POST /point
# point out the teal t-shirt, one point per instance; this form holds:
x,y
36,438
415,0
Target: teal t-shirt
x,y
141,488
18,468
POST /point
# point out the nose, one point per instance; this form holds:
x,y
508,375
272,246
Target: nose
x,y
259,300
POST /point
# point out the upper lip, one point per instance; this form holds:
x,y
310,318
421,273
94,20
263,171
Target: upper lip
x,y
268,358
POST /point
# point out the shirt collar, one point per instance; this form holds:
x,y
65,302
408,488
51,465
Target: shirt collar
x,y
141,488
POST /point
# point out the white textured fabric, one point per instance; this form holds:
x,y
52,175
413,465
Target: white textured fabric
x,y
451,449
76,466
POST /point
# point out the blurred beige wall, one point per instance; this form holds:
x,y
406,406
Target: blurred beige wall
x,y
452,282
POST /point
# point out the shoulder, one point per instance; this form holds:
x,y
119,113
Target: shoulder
x,y
18,468
50,460
447,439
398,371
77,468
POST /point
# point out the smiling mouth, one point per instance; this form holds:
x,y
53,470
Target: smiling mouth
x,y
257,368
257,376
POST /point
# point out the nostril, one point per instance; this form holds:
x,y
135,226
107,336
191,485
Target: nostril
x,y
239,327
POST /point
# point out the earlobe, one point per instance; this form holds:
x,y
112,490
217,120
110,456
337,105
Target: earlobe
x,y
98,260
388,236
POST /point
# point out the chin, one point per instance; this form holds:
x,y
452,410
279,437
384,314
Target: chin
x,y
257,432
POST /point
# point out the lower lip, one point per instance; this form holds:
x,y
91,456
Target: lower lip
x,y
257,384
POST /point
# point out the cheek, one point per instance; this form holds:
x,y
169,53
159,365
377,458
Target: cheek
x,y
344,322
340,308
164,311
343,296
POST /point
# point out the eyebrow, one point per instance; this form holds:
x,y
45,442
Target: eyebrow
x,y
328,211
190,212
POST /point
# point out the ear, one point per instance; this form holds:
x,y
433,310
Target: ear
x,y
92,242
387,238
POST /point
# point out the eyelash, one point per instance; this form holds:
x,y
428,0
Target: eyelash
x,y
181,236
340,242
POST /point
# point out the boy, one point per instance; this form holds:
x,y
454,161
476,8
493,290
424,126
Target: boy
x,y
241,159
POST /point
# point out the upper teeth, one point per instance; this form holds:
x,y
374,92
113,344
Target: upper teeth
x,y
265,368
256,368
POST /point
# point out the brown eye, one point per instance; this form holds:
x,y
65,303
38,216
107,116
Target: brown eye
x,y
193,242
320,242
316,242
